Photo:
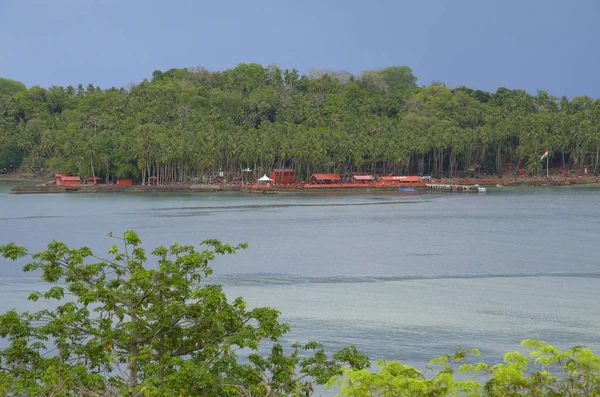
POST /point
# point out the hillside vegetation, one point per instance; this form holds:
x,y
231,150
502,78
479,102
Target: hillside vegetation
x,y
190,123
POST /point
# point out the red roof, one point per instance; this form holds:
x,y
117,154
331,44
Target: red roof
x,y
360,173
364,177
401,178
94,178
284,171
326,177
70,178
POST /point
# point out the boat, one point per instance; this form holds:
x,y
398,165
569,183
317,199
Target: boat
x,y
480,189
407,190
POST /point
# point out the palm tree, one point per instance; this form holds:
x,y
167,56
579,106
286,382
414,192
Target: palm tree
x,y
90,153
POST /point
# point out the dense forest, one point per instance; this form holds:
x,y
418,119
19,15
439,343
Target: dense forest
x,y
189,124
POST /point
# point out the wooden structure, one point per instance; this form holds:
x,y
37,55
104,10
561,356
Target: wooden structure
x,y
153,180
58,178
124,182
445,187
282,176
399,180
64,180
325,178
94,180
363,179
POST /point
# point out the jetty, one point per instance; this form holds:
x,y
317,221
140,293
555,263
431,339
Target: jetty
x,y
455,188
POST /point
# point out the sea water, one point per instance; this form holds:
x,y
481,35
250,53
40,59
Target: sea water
x,y
402,277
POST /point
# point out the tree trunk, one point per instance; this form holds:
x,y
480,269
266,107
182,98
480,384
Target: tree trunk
x,y
92,164
133,373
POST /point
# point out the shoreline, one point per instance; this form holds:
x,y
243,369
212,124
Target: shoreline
x,y
29,189
254,189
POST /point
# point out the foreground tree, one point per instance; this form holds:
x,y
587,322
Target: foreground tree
x,y
124,326
546,372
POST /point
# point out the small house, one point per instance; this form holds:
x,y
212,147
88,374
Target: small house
x,y
124,182
94,180
325,178
283,176
58,178
68,180
399,180
363,179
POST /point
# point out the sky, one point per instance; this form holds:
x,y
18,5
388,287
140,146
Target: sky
x,y
484,44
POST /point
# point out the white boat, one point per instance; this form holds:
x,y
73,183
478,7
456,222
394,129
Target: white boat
x,y
480,189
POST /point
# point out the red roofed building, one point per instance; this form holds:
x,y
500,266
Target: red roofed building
x,y
64,180
363,179
283,176
94,180
396,180
325,178
57,178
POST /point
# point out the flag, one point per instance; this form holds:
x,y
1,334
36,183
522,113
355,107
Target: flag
x,y
544,155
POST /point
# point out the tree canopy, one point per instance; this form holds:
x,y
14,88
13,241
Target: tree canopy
x,y
9,87
192,123
545,372
127,325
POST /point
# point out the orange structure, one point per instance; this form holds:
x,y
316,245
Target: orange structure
x,y
124,182
94,180
363,179
58,179
397,180
63,180
325,178
283,176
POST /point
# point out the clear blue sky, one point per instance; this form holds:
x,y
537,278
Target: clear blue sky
x,y
484,44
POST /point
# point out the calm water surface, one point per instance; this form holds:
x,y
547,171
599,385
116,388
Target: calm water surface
x,y
402,277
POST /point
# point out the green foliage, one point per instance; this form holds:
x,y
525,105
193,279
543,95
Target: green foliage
x,y
10,155
126,325
188,124
9,87
546,372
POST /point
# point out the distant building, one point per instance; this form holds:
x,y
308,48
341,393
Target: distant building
x,y
325,178
363,178
64,180
283,176
398,180
94,180
58,179
124,182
